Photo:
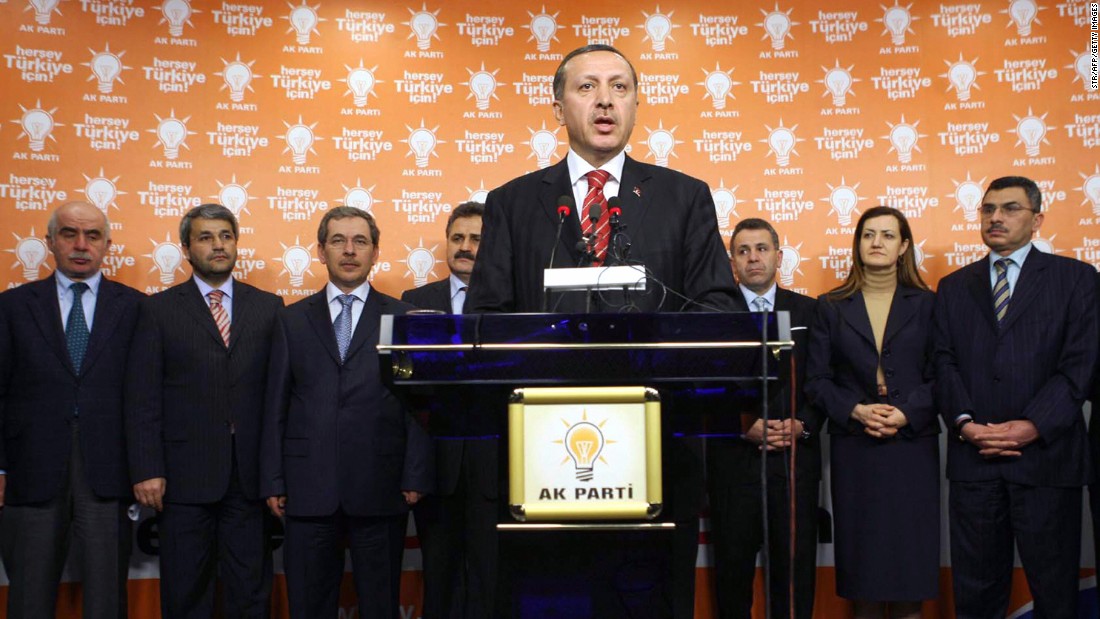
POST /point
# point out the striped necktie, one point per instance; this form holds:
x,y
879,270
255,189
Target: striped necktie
x,y
342,326
221,317
596,180
1001,294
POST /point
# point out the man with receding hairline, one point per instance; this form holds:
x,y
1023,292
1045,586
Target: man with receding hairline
x,y
64,343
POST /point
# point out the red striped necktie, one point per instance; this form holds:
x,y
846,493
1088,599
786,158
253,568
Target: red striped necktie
x,y
221,317
596,180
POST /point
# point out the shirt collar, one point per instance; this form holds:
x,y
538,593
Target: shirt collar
x,y
456,285
331,292
64,282
750,296
578,167
205,289
1017,257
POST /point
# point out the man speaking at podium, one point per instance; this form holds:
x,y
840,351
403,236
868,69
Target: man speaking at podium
x,y
673,230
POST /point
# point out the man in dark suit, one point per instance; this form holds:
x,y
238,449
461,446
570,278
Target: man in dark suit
x,y
1094,443
733,464
194,403
342,458
457,524
1015,341
63,347
672,228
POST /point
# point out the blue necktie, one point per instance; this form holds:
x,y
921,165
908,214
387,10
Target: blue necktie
x,y
760,303
342,326
1001,293
76,329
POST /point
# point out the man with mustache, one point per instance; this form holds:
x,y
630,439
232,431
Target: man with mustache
x,y
63,347
194,403
457,524
668,216
1015,343
343,460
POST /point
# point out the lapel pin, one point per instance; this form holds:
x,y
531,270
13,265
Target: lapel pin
x,y
638,191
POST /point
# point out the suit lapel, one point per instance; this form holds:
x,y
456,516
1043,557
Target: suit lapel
x,y
321,320
368,323
1028,286
901,312
555,183
442,299
195,305
982,291
633,195
243,307
47,314
854,311
104,323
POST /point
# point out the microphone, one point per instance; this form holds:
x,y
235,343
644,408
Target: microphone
x,y
566,204
618,246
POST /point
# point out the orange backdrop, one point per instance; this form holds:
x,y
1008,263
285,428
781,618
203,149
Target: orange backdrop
x,y
805,113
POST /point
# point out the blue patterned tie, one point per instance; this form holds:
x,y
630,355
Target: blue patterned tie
x,y
760,303
1001,293
342,326
76,329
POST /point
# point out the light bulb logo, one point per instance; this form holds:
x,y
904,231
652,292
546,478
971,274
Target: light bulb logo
x,y
844,200
718,85
479,194
661,143
1023,13
1091,188
897,20
919,255
101,192
106,69
237,76
544,144
544,28
43,9
483,85
968,197
296,261
782,142
584,441
1082,67
360,81
423,25
38,125
777,26
725,203
1045,245
234,196
30,253
838,83
422,143
420,262
903,139
962,75
303,21
167,258
300,140
790,263
358,196
1031,131
658,28
178,14
172,134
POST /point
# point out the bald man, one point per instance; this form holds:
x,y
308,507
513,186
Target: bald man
x,y
63,347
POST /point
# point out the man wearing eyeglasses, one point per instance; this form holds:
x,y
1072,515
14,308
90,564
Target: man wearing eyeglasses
x,y
342,460
1016,339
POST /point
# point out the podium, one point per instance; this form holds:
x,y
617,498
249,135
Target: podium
x,y
704,366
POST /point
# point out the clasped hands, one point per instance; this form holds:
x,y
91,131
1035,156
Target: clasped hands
x,y
781,433
1000,439
880,420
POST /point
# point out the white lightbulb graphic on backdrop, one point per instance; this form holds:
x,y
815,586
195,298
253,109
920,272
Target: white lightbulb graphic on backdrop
x,y
420,262
233,197
37,125
1023,13
1082,64
296,259
106,67
299,138
360,198
718,84
1031,131
31,253
897,20
660,143
43,9
422,142
303,19
482,85
968,195
171,132
177,12
724,203
782,142
361,83
903,138
424,25
838,81
777,25
788,264
237,76
583,442
962,76
543,144
543,28
167,257
843,200
1091,188
101,192
657,28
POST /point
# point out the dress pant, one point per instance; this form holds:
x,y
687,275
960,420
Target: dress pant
x,y
313,555
1045,523
34,540
226,540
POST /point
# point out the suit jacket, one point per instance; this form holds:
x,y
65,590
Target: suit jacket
x,y
739,460
335,435
1094,422
186,390
39,391
670,221
843,361
1036,366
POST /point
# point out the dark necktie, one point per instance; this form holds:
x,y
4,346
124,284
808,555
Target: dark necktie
x,y
76,328
1001,293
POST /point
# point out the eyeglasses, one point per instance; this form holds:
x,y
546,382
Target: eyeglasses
x,y
987,210
359,243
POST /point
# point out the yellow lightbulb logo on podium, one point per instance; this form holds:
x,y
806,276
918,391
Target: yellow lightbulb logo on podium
x,y
584,441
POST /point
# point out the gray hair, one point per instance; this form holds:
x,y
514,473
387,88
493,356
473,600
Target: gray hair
x,y
206,211
344,212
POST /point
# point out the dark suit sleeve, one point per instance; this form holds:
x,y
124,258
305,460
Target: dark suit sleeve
x,y
812,417
1056,407
952,397
6,357
276,404
708,279
144,397
419,470
492,284
823,391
